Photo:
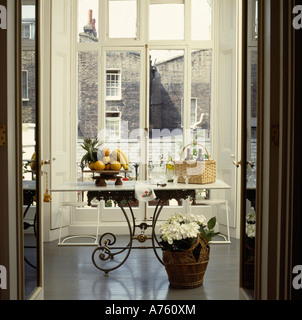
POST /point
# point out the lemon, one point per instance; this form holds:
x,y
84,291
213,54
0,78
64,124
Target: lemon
x,y
91,165
116,166
106,152
99,166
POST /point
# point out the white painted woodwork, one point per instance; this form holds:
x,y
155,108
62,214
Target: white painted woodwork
x,y
60,103
226,117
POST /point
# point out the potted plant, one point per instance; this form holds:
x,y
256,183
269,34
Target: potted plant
x,y
186,251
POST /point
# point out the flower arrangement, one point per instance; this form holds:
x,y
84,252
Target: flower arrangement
x,y
181,231
251,225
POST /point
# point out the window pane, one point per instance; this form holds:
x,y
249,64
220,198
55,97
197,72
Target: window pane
x,y
201,93
167,22
28,22
166,104
255,36
88,20
87,95
122,19
123,77
29,86
202,19
24,85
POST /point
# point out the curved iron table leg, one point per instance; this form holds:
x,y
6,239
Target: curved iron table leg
x,y
155,218
106,253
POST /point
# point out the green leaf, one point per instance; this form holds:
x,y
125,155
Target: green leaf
x,y
212,223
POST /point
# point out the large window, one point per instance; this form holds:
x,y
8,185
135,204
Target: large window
x,y
145,76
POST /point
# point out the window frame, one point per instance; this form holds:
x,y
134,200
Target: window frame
x,y
144,45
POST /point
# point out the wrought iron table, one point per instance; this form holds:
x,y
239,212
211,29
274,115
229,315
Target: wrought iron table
x,y
123,196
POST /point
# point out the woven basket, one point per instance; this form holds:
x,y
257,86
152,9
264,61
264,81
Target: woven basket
x,y
184,269
198,172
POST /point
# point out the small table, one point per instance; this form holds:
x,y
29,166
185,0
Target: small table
x,y
126,194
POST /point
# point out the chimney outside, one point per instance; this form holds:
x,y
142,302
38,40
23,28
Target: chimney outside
x,y
90,17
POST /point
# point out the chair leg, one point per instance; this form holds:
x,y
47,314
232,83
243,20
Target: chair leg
x,y
61,218
98,221
228,223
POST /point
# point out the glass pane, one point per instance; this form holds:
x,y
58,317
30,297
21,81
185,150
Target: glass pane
x,y
167,22
122,19
28,23
88,20
256,21
123,85
201,96
202,19
166,107
250,223
87,98
29,150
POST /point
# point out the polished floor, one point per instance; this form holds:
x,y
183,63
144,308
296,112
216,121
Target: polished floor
x,y
71,275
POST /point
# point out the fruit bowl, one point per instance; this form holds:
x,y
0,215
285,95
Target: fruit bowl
x,y
100,180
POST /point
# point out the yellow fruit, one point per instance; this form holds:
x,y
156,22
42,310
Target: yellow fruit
x,y
121,157
106,160
116,166
123,154
106,152
108,166
99,166
33,165
91,165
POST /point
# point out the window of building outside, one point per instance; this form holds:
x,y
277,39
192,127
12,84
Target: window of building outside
x,y
25,85
113,125
26,31
154,73
113,85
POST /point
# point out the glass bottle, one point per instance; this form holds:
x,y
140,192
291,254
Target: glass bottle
x,y
188,154
170,169
199,158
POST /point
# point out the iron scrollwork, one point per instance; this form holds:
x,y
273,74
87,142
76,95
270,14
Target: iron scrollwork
x,y
122,198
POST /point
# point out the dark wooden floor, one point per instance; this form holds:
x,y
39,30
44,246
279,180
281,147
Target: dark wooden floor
x,y
70,275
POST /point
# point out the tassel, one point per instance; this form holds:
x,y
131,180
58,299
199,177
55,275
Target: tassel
x,y
47,197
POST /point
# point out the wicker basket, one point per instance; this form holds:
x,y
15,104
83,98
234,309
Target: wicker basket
x,y
184,269
198,172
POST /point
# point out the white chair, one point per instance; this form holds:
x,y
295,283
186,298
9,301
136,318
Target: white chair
x,y
64,241
227,240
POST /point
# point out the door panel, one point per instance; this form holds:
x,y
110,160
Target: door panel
x,y
60,106
227,125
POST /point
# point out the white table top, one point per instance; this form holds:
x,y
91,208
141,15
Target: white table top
x,y
29,185
130,186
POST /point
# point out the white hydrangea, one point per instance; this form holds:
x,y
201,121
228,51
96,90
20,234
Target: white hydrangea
x,y
181,226
250,230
